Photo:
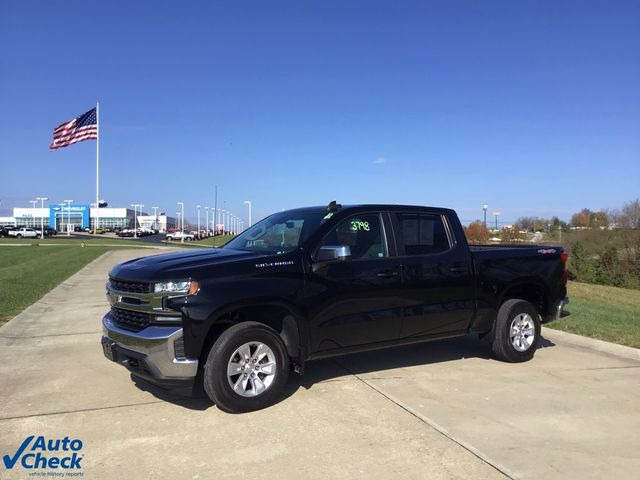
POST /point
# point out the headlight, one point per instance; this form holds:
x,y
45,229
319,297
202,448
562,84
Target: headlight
x,y
188,287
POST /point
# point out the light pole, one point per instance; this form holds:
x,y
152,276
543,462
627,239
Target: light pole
x,y
33,203
182,220
42,199
206,209
68,202
249,203
198,207
222,217
484,209
155,218
496,214
135,219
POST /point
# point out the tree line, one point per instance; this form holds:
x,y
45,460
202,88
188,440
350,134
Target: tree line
x,y
626,217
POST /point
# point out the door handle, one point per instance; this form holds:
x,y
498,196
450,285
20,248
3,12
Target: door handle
x,y
387,274
458,270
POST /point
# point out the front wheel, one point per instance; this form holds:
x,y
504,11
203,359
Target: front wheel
x,y
516,331
246,368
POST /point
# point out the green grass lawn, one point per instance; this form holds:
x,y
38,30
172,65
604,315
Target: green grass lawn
x,y
211,241
88,240
605,313
28,272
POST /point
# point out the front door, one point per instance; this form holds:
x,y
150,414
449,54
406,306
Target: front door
x,y
354,302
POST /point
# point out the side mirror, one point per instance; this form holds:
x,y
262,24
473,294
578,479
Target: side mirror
x,y
333,253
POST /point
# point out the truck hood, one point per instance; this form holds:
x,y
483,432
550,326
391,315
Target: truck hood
x,y
179,264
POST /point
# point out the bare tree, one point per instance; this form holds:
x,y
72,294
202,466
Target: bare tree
x,y
630,217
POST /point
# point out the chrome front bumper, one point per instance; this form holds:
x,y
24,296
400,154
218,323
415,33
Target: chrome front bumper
x,y
150,353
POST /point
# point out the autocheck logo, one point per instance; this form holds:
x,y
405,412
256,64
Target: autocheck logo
x,y
42,453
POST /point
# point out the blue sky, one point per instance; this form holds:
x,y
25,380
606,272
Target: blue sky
x,y
530,106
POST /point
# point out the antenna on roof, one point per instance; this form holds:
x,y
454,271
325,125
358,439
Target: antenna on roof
x,y
333,206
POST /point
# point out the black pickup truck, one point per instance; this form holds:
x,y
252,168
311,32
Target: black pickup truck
x,y
315,282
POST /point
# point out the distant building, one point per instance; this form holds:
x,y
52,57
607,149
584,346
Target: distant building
x,y
58,216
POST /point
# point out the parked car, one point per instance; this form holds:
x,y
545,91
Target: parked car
x,y
126,232
49,231
180,236
24,232
317,282
4,231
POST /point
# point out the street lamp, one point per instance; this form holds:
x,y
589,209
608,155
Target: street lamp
x,y
42,199
222,217
484,209
33,203
155,218
182,219
249,203
135,219
206,209
198,207
496,214
68,202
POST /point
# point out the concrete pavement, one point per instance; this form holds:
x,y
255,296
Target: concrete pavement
x,y
439,410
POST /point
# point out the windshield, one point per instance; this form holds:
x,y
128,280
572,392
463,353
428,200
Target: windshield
x,y
278,233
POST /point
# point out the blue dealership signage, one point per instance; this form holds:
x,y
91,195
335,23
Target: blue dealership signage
x,y
62,210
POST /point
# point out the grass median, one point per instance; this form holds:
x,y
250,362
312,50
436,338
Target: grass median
x,y
606,313
35,267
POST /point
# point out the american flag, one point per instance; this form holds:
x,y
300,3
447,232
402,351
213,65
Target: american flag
x,y
85,127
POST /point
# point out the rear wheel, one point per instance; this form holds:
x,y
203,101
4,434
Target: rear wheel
x,y
516,331
19,236
246,368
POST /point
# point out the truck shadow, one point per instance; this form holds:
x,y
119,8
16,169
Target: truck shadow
x,y
387,360
340,368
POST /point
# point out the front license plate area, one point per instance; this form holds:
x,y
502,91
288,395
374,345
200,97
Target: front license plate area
x,y
109,349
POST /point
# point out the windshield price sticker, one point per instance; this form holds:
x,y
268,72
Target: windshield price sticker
x,y
357,225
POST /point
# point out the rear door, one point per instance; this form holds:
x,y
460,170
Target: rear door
x,y
437,278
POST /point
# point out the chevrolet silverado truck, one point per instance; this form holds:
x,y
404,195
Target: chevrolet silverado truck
x,y
316,282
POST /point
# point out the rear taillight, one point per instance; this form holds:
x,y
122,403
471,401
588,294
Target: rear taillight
x,y
565,276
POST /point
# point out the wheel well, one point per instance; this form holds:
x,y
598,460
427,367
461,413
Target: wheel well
x,y
530,292
278,318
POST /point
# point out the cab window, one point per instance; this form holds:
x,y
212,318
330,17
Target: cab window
x,y
422,234
363,234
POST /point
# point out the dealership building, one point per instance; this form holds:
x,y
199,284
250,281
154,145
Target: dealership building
x,y
60,215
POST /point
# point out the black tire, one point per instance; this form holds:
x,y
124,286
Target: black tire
x,y
503,346
19,236
217,384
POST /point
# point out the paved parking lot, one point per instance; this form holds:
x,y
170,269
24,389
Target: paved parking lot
x,y
438,410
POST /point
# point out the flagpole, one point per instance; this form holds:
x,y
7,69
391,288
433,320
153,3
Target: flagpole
x,y
95,226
